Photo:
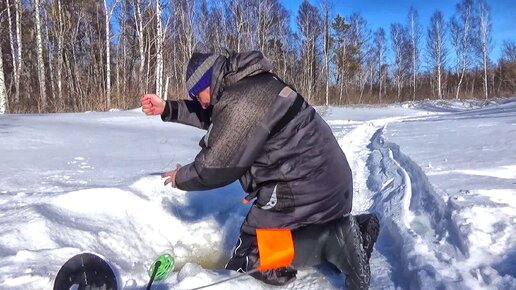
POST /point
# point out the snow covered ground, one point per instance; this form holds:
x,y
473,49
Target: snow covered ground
x,y
441,175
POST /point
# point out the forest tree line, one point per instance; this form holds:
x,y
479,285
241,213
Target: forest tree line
x,y
66,55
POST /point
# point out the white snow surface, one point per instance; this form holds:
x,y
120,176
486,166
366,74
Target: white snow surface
x,y
440,175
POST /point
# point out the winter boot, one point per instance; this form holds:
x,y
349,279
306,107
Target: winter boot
x,y
344,249
369,228
338,242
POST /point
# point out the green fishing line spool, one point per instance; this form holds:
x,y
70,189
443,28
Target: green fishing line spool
x,y
166,266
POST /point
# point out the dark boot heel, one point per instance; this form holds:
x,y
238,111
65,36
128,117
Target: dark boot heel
x,y
370,229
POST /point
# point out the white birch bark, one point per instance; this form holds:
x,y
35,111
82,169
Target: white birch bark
x,y
50,61
414,37
18,9
465,10
239,22
380,55
41,64
108,14
159,50
14,48
398,43
439,59
185,16
326,10
485,40
141,44
436,48
60,41
3,91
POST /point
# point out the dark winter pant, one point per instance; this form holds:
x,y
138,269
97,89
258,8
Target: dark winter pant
x,y
338,242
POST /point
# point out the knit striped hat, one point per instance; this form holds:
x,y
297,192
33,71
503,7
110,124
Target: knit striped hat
x,y
198,73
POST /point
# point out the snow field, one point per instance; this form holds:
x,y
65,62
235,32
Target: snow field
x,y
441,176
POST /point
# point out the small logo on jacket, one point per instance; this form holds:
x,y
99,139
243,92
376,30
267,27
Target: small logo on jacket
x,y
273,200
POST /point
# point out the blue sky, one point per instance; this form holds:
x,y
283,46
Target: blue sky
x,y
382,13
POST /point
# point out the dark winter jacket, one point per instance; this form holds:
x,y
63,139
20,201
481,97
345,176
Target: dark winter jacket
x,y
261,132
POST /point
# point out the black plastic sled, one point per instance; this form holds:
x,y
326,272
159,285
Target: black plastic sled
x,y
85,272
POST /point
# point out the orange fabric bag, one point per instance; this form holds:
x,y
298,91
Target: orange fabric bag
x,y
275,247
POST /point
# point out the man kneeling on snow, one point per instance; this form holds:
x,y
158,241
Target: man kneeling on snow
x,y
263,133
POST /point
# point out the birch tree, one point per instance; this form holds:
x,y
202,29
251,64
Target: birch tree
x,y
485,39
271,20
238,20
185,31
159,50
56,12
3,91
436,48
205,32
16,45
399,47
380,51
217,35
108,14
41,64
138,19
4,104
507,64
309,23
461,28
340,36
415,36
359,36
326,7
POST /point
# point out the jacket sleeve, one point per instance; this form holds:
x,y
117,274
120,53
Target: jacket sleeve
x,y
234,140
187,112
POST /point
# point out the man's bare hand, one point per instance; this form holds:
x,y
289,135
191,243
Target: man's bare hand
x,y
152,104
171,176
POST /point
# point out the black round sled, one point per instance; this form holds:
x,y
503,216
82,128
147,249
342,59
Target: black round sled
x,y
85,272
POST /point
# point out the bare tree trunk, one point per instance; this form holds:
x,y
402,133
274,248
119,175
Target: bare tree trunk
x,y
41,64
60,41
123,74
165,93
18,9
141,44
371,78
341,87
436,48
239,21
185,20
414,37
3,92
326,27
108,57
398,40
16,47
264,25
440,61
50,63
311,27
108,15
177,72
380,53
147,78
485,40
159,50
463,47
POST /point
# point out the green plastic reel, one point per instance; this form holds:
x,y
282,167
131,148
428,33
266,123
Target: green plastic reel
x,y
164,269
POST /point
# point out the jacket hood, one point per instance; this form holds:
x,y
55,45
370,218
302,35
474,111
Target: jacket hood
x,y
230,67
